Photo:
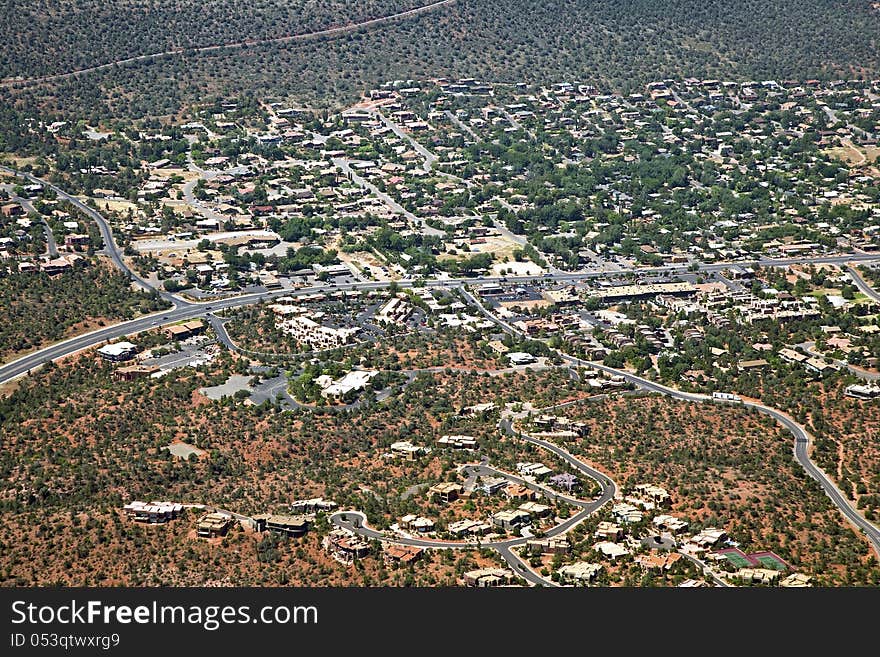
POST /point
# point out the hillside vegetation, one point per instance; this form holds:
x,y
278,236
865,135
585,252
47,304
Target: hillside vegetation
x,y
614,44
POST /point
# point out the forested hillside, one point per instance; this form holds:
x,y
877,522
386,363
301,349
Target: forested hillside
x,y
616,44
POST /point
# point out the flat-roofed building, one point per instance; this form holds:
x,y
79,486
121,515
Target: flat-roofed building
x,y
580,572
510,519
609,531
458,442
670,523
282,524
133,372
313,505
118,351
346,546
416,523
407,450
552,545
491,485
184,330
446,492
611,550
486,577
152,512
654,493
468,528
535,510
758,575
213,525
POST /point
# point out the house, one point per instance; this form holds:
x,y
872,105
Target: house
x,y
862,391
521,358
476,409
491,485
282,524
655,494
536,470
11,210
76,239
580,572
346,546
468,528
402,554
406,450
554,545
611,550
313,505
658,562
133,372
458,442
485,577
670,524
626,513
152,512
446,492
758,575
534,509
417,524
213,525
519,492
119,351
708,538
510,520
796,580
609,531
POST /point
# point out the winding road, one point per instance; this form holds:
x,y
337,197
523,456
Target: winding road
x,y
802,438
504,547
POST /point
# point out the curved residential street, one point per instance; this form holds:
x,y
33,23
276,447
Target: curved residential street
x,y
800,434
356,521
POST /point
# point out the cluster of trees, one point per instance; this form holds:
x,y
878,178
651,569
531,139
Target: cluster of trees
x,y
41,309
758,39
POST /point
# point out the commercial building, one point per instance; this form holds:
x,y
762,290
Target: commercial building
x,y
185,330
133,372
119,351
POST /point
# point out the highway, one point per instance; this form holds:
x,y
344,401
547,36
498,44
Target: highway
x,y
860,283
185,310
